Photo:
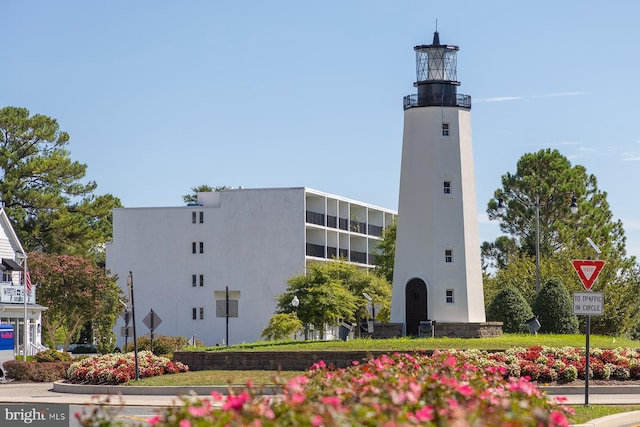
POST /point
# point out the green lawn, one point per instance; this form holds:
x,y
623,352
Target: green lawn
x,y
408,344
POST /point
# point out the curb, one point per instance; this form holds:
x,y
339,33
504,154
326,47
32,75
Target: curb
x,y
615,420
62,387
601,389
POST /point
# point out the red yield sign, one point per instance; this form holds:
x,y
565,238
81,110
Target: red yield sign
x,y
588,270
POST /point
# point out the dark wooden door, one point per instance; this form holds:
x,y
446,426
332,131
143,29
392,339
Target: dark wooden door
x,y
416,305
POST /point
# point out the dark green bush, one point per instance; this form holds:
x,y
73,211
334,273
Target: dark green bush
x,y
36,371
52,355
162,345
511,308
554,308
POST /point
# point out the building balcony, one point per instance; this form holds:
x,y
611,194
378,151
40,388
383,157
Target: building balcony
x,y
437,100
318,251
354,226
14,294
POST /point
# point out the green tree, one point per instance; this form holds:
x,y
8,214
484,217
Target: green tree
x,y
510,308
75,289
282,325
334,290
548,181
554,308
204,188
42,190
386,252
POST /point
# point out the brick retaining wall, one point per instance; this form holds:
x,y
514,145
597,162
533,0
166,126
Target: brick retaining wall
x,y
270,360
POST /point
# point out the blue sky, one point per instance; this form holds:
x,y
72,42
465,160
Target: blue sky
x,y
161,96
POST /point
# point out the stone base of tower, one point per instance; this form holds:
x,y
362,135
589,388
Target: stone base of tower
x,y
467,330
440,330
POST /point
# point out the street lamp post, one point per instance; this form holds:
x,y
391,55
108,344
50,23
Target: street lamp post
x,y
295,302
501,209
133,319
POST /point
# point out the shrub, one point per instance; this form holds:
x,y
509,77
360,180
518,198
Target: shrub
x,y
401,389
282,325
36,371
52,355
18,369
554,308
162,344
118,368
511,308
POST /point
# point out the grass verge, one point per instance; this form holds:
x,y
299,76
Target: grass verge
x,y
409,344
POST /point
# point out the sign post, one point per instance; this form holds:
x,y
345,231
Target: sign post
x,y
227,306
587,303
152,320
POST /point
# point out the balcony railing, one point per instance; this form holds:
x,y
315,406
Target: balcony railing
x,y
437,100
315,218
343,224
14,294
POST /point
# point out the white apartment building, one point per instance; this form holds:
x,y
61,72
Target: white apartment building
x,y
183,259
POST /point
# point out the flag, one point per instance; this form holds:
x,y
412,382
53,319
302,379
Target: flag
x,y
28,282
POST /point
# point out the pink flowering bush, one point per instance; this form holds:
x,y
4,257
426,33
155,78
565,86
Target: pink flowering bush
x,y
119,368
397,390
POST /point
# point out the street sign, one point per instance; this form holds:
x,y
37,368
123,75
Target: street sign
x,y
152,320
221,308
588,270
126,316
588,303
126,331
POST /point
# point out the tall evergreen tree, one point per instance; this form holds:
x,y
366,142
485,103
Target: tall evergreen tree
x,y
52,210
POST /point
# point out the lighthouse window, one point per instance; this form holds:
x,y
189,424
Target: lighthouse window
x,y
446,187
445,129
449,296
448,255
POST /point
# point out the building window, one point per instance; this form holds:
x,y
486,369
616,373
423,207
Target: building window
x,y
449,296
446,187
201,217
193,280
193,217
201,247
193,247
448,255
201,280
445,129
201,313
194,313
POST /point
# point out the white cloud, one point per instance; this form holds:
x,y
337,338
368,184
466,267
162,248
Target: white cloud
x,y
517,98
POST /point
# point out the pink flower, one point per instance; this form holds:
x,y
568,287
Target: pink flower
x,y
235,402
318,365
316,420
154,420
466,390
424,414
198,411
331,400
185,423
557,418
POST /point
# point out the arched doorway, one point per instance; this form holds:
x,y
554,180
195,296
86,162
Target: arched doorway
x,y
416,305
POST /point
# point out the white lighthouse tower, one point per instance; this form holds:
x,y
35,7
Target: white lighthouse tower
x,y
437,271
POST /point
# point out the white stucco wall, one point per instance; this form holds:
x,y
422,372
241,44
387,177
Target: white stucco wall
x,y
429,221
253,242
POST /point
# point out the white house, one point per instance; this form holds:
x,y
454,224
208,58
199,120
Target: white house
x,y
13,306
183,259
